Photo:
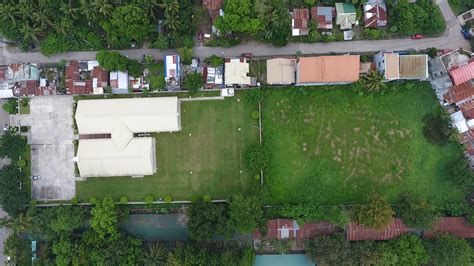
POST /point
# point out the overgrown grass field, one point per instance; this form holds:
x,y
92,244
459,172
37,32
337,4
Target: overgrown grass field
x,y
330,145
204,158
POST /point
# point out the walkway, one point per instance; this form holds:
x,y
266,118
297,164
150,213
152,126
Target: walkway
x,y
451,39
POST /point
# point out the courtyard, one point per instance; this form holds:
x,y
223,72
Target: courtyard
x,y
204,158
332,146
50,140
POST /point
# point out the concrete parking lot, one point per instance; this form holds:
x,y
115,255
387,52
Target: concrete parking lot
x,y
52,151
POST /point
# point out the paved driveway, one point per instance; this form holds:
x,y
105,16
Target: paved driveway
x,y
52,151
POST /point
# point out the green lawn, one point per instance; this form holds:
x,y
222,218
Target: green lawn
x,y
213,153
333,146
24,108
461,6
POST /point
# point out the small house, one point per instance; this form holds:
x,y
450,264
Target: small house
x,y
299,22
322,16
346,15
281,71
119,82
321,70
396,66
172,70
375,14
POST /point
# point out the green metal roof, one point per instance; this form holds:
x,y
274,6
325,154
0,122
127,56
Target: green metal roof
x,y
345,8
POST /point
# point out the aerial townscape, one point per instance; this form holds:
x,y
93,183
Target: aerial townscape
x,y
237,132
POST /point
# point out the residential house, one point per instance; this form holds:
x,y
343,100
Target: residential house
x,y
289,229
375,14
322,16
463,73
299,22
319,70
15,78
214,9
396,66
466,17
458,226
172,70
281,71
214,77
237,72
357,232
346,15
85,77
119,81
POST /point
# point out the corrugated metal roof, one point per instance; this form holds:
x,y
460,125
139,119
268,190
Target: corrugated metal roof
x,y
463,73
457,226
328,69
359,232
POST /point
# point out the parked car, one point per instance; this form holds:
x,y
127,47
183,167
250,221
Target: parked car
x,y
417,36
466,34
247,55
36,177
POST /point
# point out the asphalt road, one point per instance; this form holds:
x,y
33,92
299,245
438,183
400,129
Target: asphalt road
x,y
451,39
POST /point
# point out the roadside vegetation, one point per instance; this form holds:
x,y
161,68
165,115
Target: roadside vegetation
x,y
461,6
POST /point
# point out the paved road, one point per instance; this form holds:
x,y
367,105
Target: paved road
x,y
451,39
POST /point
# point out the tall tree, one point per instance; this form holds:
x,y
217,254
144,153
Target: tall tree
x,y
154,255
374,81
104,218
446,249
19,224
246,213
409,250
12,145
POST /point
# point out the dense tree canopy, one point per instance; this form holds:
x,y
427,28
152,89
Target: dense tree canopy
x,y
104,218
12,145
422,17
246,213
409,250
193,82
12,198
416,212
448,250
207,220
127,23
239,18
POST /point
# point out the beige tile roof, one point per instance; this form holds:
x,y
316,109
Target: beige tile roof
x,y
414,66
281,71
327,69
391,66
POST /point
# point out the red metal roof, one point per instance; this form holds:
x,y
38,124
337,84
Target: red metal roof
x,y
308,230
457,226
358,232
463,73
460,93
74,83
101,75
300,18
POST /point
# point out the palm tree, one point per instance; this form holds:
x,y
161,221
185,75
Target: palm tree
x,y
374,81
19,224
9,12
41,17
69,10
87,10
103,7
170,6
150,6
172,21
155,254
31,32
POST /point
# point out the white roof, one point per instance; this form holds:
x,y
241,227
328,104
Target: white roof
x,y
92,64
171,66
102,157
459,121
121,80
123,154
157,114
5,90
236,72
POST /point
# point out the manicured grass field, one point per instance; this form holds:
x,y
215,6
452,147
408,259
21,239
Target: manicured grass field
x,y
333,146
209,145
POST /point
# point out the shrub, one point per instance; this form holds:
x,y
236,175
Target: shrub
x,y
186,55
377,214
123,200
436,128
33,203
11,106
149,199
254,95
195,198
168,199
93,201
74,201
255,115
446,249
162,42
432,52
21,163
256,157
214,61
193,82
207,198
416,212
257,177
